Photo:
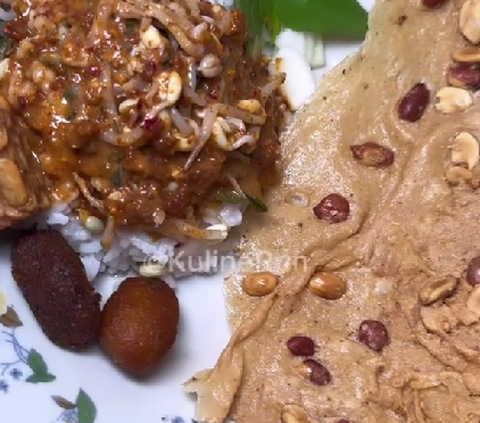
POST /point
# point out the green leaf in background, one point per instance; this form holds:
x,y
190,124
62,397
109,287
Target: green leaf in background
x,y
269,13
334,18
255,24
337,18
87,412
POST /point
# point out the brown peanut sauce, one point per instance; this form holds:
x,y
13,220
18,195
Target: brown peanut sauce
x,y
58,82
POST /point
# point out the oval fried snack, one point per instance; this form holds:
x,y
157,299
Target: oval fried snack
x,y
392,358
52,279
140,324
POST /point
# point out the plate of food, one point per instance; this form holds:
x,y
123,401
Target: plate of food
x,y
210,214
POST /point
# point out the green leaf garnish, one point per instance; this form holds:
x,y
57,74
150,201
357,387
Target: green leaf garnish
x,y
257,204
334,18
118,176
230,197
87,412
69,97
233,197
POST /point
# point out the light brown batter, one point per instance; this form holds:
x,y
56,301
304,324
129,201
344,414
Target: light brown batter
x,y
407,228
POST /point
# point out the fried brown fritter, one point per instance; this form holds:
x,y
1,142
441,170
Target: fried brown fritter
x,y
139,324
52,279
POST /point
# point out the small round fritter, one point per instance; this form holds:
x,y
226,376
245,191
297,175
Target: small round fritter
x,y
139,324
52,279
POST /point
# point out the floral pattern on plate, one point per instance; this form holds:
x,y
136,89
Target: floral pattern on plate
x,y
83,410
20,364
17,363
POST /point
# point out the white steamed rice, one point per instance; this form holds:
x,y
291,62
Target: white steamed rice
x,y
132,249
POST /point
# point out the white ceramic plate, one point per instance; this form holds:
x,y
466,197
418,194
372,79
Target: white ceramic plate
x,y
40,383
